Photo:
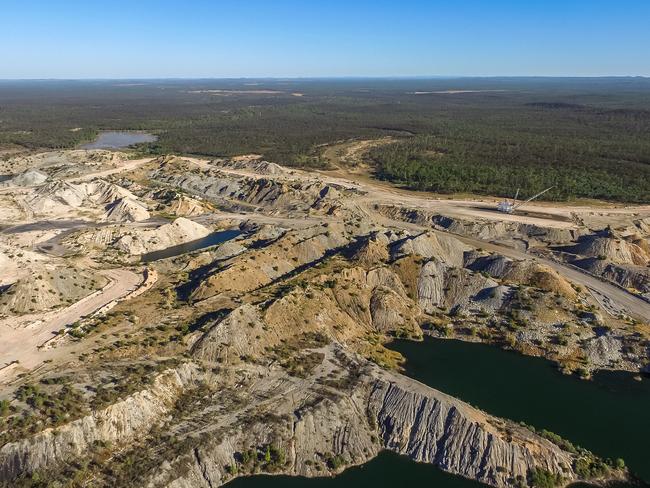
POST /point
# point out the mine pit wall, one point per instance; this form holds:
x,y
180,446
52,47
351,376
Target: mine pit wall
x,y
397,414
383,411
118,423
484,229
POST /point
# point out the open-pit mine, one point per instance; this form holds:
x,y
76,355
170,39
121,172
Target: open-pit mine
x,y
180,322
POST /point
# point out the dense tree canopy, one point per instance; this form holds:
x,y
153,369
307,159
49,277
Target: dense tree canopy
x,y
589,138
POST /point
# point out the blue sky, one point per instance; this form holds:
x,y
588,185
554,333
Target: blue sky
x,y
282,38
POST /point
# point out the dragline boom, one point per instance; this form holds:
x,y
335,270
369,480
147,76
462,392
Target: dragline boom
x,y
533,197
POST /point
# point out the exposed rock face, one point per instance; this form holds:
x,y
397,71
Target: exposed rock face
x,y
282,256
373,250
628,276
230,332
617,256
390,311
55,194
253,165
430,286
611,247
621,257
434,428
492,264
56,197
407,418
376,410
259,192
525,272
446,248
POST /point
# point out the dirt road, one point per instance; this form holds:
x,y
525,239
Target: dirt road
x,y
612,297
21,337
127,166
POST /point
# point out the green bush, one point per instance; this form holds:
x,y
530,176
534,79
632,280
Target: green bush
x,y
542,478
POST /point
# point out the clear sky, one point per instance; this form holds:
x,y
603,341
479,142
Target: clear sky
x,y
311,38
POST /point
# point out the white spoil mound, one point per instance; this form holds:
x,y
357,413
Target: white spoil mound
x,y
48,287
142,241
613,249
31,177
58,197
126,210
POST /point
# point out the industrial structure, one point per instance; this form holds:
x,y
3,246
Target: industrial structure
x,y
510,207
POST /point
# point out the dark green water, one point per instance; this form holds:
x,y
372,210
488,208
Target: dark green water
x,y
388,470
609,415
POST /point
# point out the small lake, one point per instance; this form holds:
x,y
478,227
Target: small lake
x,y
388,470
118,140
609,415
205,242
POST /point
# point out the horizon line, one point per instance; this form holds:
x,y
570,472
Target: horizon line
x,y
335,77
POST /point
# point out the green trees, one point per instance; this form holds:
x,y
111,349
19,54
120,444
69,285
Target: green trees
x,y
5,408
588,467
498,162
541,478
589,141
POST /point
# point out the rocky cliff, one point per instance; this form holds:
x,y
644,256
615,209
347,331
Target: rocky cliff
x,y
347,411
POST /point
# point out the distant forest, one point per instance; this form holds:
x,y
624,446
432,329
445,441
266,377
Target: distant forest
x,y
588,137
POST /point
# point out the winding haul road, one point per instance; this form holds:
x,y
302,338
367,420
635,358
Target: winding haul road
x,y
21,337
612,297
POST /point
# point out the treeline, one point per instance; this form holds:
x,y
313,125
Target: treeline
x,y
577,169
589,138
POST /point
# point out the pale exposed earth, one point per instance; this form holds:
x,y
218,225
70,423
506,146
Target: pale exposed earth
x,y
399,260
22,337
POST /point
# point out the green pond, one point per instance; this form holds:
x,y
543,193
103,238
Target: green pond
x,y
609,415
388,470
